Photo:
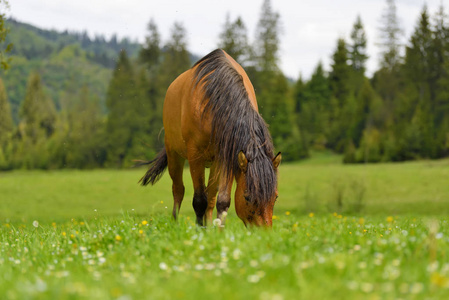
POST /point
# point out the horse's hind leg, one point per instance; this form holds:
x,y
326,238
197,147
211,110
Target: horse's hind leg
x,y
175,169
199,195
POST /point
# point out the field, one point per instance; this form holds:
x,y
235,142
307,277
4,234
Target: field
x,y
339,232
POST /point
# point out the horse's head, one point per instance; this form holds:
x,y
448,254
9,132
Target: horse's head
x,y
256,190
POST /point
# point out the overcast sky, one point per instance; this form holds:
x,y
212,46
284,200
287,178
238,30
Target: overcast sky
x,y
310,27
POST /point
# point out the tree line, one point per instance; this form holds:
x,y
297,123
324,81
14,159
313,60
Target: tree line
x,y
400,113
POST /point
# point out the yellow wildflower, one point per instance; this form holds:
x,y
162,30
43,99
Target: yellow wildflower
x,y
64,234
274,217
390,219
144,222
287,213
118,238
311,215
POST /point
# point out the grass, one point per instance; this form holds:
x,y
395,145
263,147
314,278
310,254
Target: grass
x,y
97,235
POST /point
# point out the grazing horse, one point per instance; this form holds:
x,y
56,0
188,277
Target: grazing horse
x,y
211,119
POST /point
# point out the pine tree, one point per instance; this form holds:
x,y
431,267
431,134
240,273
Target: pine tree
x,y
234,40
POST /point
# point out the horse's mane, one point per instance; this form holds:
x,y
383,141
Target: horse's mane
x,y
236,126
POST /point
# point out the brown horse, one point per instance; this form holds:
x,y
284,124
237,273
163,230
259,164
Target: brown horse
x,y
211,119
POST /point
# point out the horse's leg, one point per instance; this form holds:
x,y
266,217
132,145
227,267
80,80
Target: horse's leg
x,y
224,198
199,190
211,192
175,169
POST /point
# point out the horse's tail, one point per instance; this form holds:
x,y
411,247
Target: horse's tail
x,y
156,168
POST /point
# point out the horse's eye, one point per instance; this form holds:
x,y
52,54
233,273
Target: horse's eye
x,y
247,198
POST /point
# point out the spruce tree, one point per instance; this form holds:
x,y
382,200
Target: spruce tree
x,y
234,40
176,58
390,34
357,53
417,58
267,39
6,128
37,111
6,123
150,52
119,101
340,75
85,137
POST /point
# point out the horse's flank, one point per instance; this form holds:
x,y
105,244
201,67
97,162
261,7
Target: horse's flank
x,y
229,99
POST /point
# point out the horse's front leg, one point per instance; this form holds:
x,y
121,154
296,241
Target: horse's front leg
x,y
211,192
199,190
224,198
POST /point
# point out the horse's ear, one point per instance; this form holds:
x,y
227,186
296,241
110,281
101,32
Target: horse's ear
x,y
243,162
277,160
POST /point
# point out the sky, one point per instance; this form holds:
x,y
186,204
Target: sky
x,y
310,28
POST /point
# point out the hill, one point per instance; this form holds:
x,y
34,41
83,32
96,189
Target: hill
x,y
66,61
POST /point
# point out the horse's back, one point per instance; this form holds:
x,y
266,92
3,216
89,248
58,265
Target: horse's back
x,y
173,112
248,85
183,118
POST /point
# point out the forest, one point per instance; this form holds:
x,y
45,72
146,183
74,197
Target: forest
x,y
68,100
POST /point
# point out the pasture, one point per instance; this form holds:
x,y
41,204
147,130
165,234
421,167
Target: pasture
x,y
339,232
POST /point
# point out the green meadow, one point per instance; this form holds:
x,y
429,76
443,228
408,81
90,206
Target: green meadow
x,y
339,232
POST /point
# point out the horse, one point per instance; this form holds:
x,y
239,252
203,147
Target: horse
x,y
210,118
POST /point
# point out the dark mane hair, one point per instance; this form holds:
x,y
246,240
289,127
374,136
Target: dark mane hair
x,y
236,126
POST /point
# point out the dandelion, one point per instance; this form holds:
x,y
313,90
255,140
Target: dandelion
x,y
72,236
118,238
287,213
81,223
140,231
64,233
311,215
144,222
53,224
390,219
36,224
367,287
274,217
162,202
236,254
253,278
